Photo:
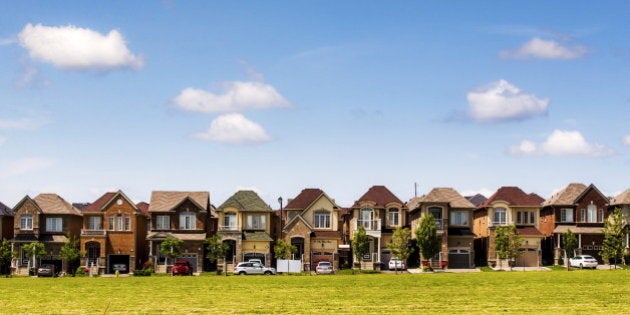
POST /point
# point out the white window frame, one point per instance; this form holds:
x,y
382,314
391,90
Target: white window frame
x,y
54,224
322,219
229,220
393,216
94,223
187,221
460,218
162,222
256,222
494,216
591,214
26,222
567,218
127,223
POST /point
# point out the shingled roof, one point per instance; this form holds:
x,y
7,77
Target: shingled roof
x,y
164,201
514,196
245,200
566,196
54,204
144,208
98,205
621,199
378,194
5,210
443,195
304,199
477,199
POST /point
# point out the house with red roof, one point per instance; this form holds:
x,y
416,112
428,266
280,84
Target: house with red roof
x,y
579,208
113,235
379,212
509,206
314,227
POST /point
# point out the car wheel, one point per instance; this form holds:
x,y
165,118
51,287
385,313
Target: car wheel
x,y
581,267
267,273
242,273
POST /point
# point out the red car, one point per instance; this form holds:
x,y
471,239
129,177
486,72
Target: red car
x,y
182,268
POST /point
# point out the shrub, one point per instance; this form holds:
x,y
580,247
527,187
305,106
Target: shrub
x,y
143,272
82,271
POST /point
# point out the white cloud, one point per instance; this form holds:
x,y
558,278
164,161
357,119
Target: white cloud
x,y
71,47
561,143
23,124
234,129
626,140
25,165
538,48
30,77
237,96
502,101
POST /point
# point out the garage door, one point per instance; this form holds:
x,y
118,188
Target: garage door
x,y
528,258
191,258
321,256
459,259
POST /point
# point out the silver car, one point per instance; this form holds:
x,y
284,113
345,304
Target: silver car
x,y
253,268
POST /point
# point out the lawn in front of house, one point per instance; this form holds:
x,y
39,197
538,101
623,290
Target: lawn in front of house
x,y
582,291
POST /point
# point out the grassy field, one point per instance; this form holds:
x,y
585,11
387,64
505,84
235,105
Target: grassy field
x,y
492,292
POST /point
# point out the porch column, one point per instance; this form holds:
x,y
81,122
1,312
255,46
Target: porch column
x,y
150,248
379,250
580,241
628,240
559,237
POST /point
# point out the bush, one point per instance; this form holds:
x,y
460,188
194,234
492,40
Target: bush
x,y
82,271
143,272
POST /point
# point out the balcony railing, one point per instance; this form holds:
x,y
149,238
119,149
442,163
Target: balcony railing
x,y
228,228
87,232
370,225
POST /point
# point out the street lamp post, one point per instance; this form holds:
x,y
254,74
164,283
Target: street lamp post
x,y
281,218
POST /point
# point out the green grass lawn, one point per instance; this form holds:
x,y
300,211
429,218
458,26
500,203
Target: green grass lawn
x,y
582,291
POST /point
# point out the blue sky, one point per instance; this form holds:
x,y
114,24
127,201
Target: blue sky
x,y
340,95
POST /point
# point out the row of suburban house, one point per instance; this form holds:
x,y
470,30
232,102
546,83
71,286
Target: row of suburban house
x,y
117,234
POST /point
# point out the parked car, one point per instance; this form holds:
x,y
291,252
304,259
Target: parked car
x,y
396,264
324,267
255,260
583,261
182,268
46,271
253,268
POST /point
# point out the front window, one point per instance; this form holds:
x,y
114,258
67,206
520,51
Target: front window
x,y
26,222
591,214
256,221
436,213
230,221
322,219
112,220
119,223
187,221
393,217
53,224
525,217
459,218
566,215
162,222
366,218
94,223
500,217
127,223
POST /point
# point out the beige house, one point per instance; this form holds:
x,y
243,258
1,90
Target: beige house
x,y
453,218
623,201
313,227
245,225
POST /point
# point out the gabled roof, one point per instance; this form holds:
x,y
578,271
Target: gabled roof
x,y
566,196
591,187
54,204
98,205
144,208
5,210
245,200
514,196
304,199
294,221
442,195
164,201
621,199
379,195
477,199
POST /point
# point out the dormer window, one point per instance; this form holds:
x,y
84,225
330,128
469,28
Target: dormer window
x,y
322,219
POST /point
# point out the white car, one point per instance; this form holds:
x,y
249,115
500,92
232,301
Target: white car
x,y
396,264
252,268
324,267
583,261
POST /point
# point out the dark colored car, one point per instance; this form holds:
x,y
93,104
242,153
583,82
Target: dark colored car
x,y
182,268
46,271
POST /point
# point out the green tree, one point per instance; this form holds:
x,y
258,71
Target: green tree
x,y
171,248
570,242
428,240
69,252
284,250
612,249
360,244
36,250
399,246
6,254
507,243
216,249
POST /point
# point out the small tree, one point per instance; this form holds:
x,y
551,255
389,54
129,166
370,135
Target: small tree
x,y
216,250
428,240
171,248
570,243
507,243
283,249
399,245
36,250
6,254
612,249
360,244
69,252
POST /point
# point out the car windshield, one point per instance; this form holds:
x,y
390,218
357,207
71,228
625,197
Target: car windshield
x,y
588,257
324,264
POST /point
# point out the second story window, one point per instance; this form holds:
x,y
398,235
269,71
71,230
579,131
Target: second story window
x,y
26,222
162,222
459,218
525,217
566,215
94,223
393,217
367,219
54,224
187,221
229,221
592,215
322,219
127,223
500,216
256,221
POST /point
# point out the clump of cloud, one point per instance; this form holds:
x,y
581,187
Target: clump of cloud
x,y
626,140
25,165
537,48
561,143
501,101
234,129
75,48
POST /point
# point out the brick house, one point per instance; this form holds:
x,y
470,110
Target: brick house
x,y
6,222
453,217
48,219
114,234
509,206
577,207
313,226
183,215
